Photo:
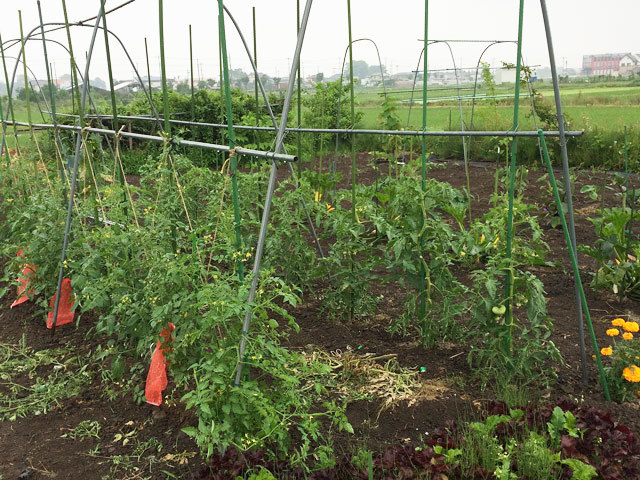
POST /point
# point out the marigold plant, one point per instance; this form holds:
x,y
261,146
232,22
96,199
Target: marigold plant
x,y
631,374
618,322
619,368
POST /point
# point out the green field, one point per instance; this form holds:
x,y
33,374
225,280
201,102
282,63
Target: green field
x,y
606,107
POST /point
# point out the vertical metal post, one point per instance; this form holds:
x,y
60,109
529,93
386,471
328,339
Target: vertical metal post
x,y
512,179
233,162
76,163
165,95
264,225
193,105
299,98
567,182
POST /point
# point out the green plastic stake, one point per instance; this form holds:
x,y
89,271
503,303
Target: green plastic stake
x,y
512,179
193,101
423,270
233,161
26,89
574,264
75,85
165,95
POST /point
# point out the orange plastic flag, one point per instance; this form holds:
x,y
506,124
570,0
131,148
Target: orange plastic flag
x,y
65,308
157,376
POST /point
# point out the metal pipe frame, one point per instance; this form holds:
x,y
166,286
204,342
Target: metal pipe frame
x,y
567,188
280,157
411,133
76,165
59,26
270,192
275,125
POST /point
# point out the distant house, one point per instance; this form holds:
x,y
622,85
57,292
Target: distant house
x,y
610,64
505,75
629,64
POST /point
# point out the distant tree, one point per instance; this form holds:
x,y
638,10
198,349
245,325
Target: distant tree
x,y
98,83
184,88
319,77
360,69
375,69
211,83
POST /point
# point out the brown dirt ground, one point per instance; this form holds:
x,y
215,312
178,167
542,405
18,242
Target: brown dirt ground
x,y
33,447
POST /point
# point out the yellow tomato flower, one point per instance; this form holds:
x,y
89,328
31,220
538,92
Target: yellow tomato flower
x,y
317,197
606,351
613,332
631,327
482,238
330,208
631,374
627,336
618,322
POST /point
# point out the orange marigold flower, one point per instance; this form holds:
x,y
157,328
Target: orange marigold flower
x,y
606,351
631,374
631,326
627,336
613,332
618,322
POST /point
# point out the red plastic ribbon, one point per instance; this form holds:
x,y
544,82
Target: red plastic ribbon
x,y
157,376
65,307
27,271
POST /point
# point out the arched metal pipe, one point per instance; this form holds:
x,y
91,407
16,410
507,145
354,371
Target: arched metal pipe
x,y
275,125
344,61
76,163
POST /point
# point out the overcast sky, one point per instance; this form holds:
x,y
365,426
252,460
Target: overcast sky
x,y
579,27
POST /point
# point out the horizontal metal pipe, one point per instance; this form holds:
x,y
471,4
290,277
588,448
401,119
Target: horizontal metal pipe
x,y
410,133
280,157
471,41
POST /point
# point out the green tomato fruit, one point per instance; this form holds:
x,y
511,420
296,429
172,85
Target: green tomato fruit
x,y
499,310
